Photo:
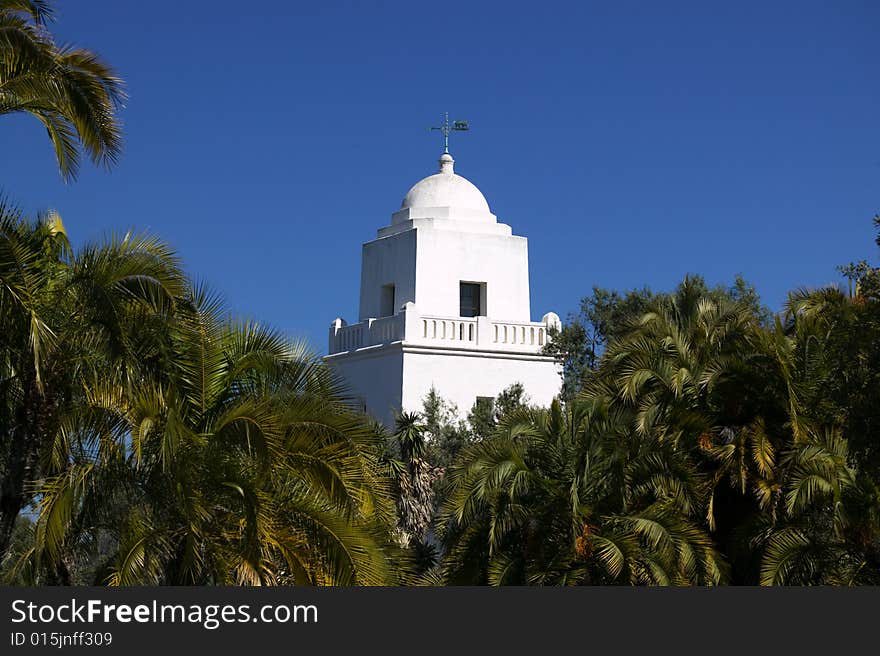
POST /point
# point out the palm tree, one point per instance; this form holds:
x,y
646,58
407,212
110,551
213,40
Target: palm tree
x,y
165,442
805,542
234,463
65,321
749,408
671,367
414,493
697,371
74,94
824,527
574,496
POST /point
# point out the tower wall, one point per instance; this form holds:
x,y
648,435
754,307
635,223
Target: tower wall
x,y
426,265
388,378
461,377
375,378
446,258
388,260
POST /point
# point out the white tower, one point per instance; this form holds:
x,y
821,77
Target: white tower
x,y
444,303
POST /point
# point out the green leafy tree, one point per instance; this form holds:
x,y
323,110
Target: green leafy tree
x,y
481,418
608,315
445,432
840,332
579,344
487,411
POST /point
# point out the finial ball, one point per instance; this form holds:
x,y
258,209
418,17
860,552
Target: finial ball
x,y
446,163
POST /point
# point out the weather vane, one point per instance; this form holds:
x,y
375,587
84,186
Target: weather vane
x,y
446,128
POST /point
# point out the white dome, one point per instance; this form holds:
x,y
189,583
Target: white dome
x,y
446,189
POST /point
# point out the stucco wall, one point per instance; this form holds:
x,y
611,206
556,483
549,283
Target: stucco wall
x,y
462,378
447,257
391,376
375,376
387,260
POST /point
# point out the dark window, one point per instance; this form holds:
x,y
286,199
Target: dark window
x,y
387,307
469,297
486,401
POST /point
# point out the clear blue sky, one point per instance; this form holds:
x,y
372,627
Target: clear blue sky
x,y
630,142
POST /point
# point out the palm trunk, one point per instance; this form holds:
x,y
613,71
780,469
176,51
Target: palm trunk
x,y
31,424
20,459
60,572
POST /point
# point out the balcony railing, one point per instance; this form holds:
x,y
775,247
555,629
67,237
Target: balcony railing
x,y
468,333
366,333
441,328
